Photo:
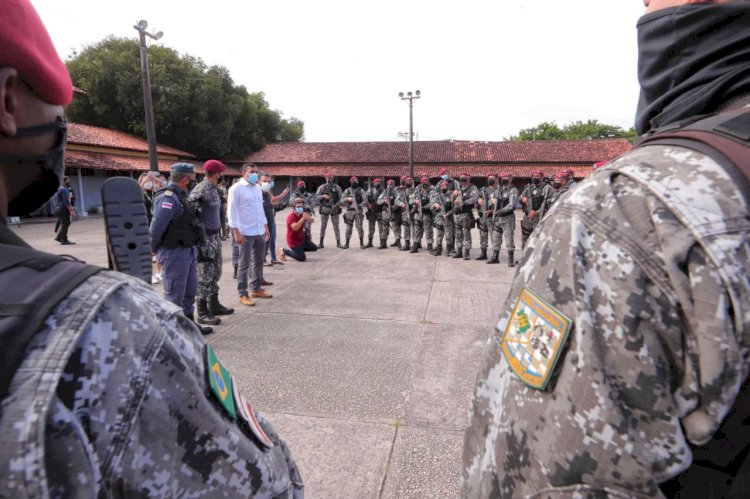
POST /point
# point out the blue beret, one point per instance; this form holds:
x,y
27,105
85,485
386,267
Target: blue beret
x,y
182,168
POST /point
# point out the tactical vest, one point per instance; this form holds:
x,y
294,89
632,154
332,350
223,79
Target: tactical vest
x,y
721,467
334,199
186,231
536,196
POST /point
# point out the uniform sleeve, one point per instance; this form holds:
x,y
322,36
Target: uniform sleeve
x,y
652,360
232,199
512,200
138,383
166,208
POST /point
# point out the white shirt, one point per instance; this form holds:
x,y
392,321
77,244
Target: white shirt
x,y
245,208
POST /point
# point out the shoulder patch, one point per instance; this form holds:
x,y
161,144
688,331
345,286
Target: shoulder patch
x,y
247,420
166,204
533,339
220,383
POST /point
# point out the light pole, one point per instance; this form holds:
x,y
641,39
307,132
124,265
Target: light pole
x,y
147,103
410,97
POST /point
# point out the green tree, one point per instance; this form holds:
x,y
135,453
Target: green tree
x,y
577,130
196,108
543,131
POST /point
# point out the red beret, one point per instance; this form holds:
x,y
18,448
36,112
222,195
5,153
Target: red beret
x,y
424,178
443,171
301,183
354,179
569,171
599,164
464,174
491,174
329,173
538,172
26,46
214,166
506,175
377,181
391,181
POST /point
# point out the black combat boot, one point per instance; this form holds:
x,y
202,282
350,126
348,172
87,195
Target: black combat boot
x,y
406,246
205,330
448,249
204,315
396,243
339,245
362,243
495,257
466,254
438,250
458,253
369,242
234,275
429,247
418,244
320,246
482,255
511,260
217,308
383,244
414,248
346,245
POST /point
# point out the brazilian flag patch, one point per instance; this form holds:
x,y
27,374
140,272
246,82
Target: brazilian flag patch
x,y
533,339
220,383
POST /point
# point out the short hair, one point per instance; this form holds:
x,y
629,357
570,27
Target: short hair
x,y
249,166
177,176
298,200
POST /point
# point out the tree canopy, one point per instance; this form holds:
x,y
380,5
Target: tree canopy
x,y
197,107
577,130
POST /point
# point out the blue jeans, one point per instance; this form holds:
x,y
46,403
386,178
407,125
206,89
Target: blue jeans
x,y
179,268
271,244
297,253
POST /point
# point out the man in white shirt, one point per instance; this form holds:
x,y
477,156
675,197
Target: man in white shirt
x,y
250,229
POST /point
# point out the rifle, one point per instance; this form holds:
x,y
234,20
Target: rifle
x,y
126,227
353,195
494,208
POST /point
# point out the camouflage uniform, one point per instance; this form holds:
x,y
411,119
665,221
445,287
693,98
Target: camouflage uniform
x,y
649,257
485,194
423,218
464,218
537,195
386,200
399,211
111,401
309,205
330,209
351,215
505,222
207,197
407,217
555,195
374,213
443,220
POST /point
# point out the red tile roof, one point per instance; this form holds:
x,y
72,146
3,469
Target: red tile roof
x,y
442,152
88,135
108,161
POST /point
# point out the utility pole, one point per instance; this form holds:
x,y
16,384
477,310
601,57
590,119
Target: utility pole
x,y
411,98
147,102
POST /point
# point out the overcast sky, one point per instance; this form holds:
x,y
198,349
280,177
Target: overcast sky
x,y
486,69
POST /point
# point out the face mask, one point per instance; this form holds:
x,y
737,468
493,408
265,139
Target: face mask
x,y
148,185
299,210
409,183
444,177
556,184
273,184
690,59
302,189
354,185
464,182
425,184
191,185
329,180
536,181
50,164
253,178
444,189
266,186
403,183
491,181
505,181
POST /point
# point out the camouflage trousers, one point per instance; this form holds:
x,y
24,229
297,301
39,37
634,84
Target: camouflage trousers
x,y
423,225
351,218
443,227
397,221
324,224
407,224
308,231
484,232
209,266
383,225
505,227
463,223
527,227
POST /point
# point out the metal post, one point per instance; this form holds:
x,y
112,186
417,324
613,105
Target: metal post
x,y
80,193
147,102
411,98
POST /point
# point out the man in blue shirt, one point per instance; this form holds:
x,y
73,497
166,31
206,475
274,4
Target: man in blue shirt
x,y
63,209
250,228
175,232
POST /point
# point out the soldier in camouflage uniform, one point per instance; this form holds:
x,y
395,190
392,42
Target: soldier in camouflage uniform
x,y
534,202
638,281
105,386
354,201
504,219
399,210
407,214
441,203
329,197
464,200
374,210
423,217
484,213
386,201
560,189
310,201
207,199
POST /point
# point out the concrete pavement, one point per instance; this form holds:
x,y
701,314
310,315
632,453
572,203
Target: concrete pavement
x,y
364,360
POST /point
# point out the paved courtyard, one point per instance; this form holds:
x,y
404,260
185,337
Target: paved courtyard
x,y
364,361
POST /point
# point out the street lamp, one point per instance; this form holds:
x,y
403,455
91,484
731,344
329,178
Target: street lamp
x,y
410,97
147,103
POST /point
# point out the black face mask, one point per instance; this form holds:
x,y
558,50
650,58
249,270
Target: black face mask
x,y
691,59
505,181
556,184
536,181
50,165
191,185
403,183
329,180
301,189
354,184
491,181
444,189
425,185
